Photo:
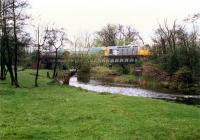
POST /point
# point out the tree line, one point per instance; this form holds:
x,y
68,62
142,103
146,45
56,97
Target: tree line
x,y
175,49
12,37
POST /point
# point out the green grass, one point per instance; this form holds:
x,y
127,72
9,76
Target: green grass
x,y
62,113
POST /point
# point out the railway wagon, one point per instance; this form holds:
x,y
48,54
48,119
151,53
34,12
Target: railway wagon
x,y
122,54
125,51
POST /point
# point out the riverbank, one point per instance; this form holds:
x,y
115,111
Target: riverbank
x,y
61,112
130,90
138,81
134,81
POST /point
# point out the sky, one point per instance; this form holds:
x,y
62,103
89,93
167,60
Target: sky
x,y
91,15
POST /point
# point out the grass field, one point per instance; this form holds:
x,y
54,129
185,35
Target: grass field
x,y
65,113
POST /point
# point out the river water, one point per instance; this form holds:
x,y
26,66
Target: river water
x,y
133,91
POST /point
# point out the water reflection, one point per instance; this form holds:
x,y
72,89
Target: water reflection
x,y
133,91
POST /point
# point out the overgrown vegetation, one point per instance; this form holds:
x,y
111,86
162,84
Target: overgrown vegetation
x,y
177,51
83,73
116,76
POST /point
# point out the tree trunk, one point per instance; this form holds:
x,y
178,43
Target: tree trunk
x,y
38,65
9,65
38,60
56,63
3,74
16,44
9,55
2,50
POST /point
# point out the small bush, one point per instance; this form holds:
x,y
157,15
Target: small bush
x,y
121,69
63,77
126,69
182,79
101,70
103,74
118,70
83,74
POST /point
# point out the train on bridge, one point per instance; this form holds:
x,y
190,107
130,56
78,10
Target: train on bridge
x,y
125,51
125,54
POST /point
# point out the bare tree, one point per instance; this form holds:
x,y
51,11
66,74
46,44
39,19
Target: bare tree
x,y
108,35
41,40
56,39
129,34
12,22
174,41
192,18
167,37
15,41
82,44
112,35
6,40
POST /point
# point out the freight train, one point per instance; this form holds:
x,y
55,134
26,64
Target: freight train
x,y
123,54
125,51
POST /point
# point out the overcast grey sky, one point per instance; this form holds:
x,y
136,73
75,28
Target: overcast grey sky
x,y
91,15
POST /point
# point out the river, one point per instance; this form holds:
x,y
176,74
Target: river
x,y
134,91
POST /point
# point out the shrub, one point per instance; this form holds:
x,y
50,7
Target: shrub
x,y
83,74
121,69
100,70
183,75
63,77
126,69
182,79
